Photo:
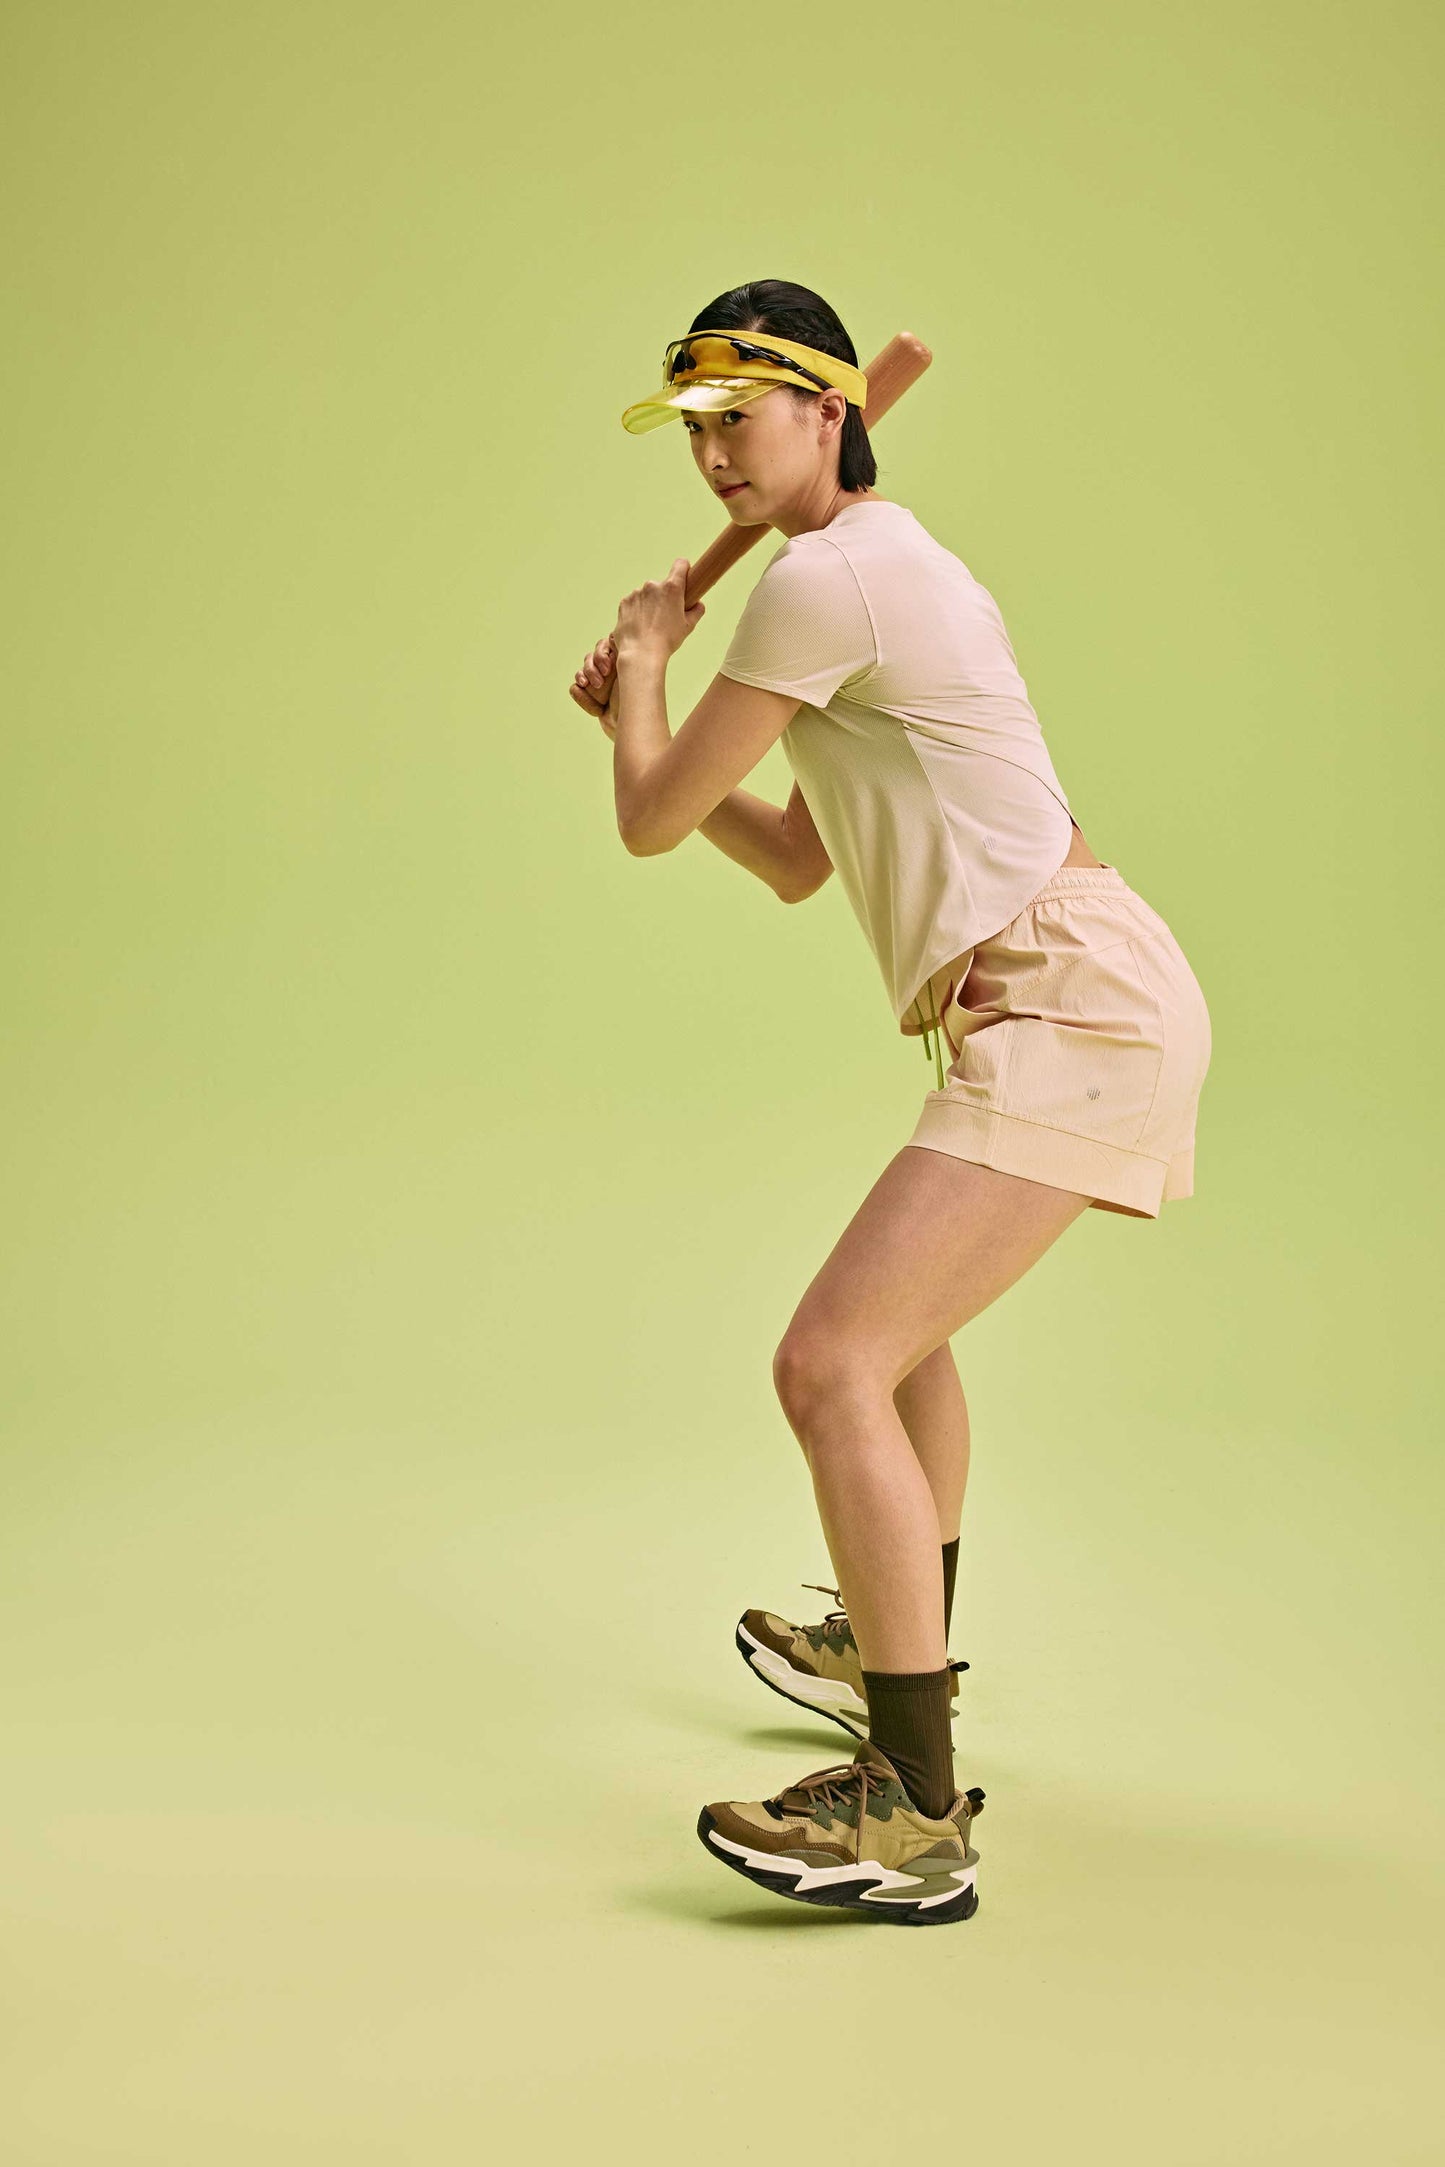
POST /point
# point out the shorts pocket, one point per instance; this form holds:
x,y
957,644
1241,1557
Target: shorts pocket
x,y
1080,1049
978,1073
1093,1076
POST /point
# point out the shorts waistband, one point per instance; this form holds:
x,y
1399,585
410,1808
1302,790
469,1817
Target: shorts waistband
x,y
1084,876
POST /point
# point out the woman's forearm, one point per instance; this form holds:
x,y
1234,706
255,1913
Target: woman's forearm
x,y
753,834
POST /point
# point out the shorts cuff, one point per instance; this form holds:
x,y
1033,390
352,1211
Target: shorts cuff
x,y
1113,1178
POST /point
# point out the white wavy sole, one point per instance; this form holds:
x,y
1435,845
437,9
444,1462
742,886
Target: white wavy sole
x,y
831,1696
835,1695
883,1879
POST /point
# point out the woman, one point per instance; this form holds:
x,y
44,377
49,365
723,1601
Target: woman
x,y
1078,1033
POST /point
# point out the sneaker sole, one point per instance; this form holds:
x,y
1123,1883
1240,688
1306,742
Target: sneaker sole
x,y
879,1892
830,1697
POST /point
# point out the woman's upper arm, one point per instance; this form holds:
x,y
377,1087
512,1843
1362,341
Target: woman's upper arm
x,y
722,740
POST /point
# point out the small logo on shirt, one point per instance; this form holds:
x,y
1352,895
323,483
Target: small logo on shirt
x,y
1092,1092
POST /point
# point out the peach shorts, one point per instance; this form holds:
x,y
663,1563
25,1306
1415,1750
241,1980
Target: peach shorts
x,y
1080,1040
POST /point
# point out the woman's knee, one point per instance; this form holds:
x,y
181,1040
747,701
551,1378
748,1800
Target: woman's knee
x,y
814,1373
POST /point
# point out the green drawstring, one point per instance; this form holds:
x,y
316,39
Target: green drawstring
x,y
931,1028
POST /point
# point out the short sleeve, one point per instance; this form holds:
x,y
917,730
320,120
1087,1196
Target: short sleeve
x,y
805,628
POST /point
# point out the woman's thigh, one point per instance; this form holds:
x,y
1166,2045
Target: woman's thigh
x,y
936,1239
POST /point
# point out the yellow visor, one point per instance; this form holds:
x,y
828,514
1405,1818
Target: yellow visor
x,y
712,371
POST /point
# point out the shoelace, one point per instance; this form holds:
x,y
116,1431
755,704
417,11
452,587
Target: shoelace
x,y
829,1787
837,1595
837,1786
836,1621
835,1626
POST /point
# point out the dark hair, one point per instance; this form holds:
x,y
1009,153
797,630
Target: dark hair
x,y
796,312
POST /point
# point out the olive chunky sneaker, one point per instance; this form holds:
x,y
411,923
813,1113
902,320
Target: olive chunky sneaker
x,y
816,1666
852,1838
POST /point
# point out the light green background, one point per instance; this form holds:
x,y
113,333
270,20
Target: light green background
x,y
406,1189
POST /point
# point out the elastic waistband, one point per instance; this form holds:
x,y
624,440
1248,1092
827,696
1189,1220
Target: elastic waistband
x,y
1084,876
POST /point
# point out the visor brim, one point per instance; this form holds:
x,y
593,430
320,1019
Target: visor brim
x,y
713,396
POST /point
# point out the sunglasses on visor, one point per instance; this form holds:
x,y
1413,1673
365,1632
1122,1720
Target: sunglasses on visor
x,y
679,357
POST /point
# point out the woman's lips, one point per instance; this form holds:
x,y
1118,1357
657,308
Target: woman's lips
x,y
733,491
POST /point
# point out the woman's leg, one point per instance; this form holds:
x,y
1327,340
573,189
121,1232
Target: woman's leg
x,y
933,1243
934,1412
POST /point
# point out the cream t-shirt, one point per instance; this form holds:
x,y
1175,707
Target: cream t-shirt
x,y
919,755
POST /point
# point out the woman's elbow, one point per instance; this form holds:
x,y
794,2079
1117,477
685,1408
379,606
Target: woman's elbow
x,y
802,885
641,841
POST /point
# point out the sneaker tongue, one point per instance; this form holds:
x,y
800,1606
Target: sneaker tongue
x,y
878,1759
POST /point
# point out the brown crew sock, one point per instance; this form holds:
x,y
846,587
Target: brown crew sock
x,y
908,1720
950,1574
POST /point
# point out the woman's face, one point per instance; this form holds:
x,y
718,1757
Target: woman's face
x,y
777,448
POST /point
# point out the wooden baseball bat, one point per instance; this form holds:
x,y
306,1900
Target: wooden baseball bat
x,y
892,372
